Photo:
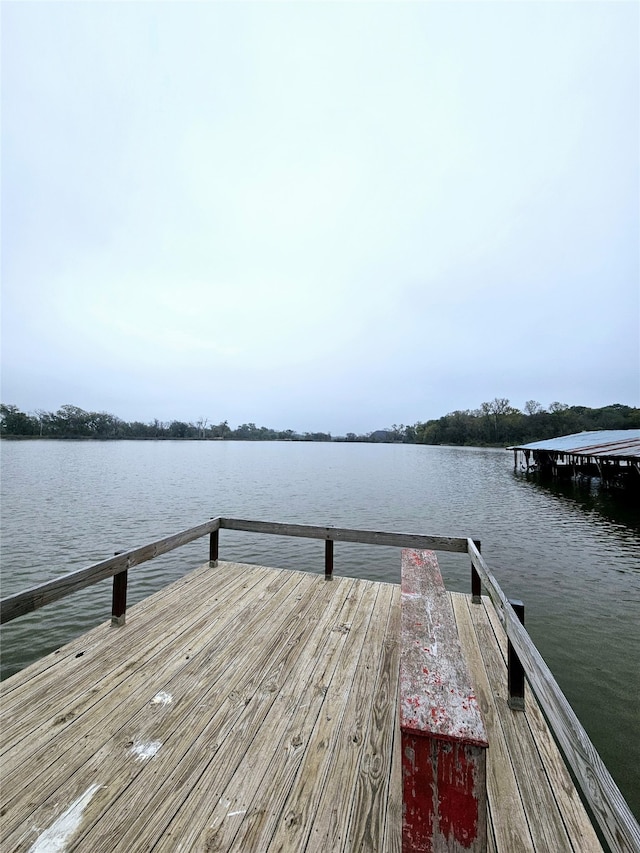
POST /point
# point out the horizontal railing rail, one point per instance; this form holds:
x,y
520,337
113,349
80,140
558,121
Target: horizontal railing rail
x,y
21,603
610,809
344,534
32,599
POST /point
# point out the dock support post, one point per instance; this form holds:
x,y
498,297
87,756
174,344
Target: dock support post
x,y
119,599
515,670
213,548
476,583
328,559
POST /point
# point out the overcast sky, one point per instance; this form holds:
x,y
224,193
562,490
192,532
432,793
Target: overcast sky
x,y
319,215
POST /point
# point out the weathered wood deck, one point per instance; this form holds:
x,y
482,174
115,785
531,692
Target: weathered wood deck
x,y
254,709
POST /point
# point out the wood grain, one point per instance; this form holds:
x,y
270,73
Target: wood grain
x,y
344,534
275,677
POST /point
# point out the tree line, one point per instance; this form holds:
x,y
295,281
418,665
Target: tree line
x,y
73,422
499,423
496,423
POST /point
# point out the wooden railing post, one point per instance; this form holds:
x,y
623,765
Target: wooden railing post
x,y
119,598
328,559
213,548
476,583
515,670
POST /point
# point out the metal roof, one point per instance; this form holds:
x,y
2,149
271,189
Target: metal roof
x,y
618,443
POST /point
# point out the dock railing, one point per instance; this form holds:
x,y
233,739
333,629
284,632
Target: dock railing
x,y
609,808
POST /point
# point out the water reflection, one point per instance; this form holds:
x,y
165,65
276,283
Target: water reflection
x,y
616,505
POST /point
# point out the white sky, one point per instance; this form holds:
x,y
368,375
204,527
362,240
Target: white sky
x,y
319,215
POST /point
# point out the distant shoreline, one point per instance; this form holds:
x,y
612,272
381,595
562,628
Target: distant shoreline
x,y
336,440
495,424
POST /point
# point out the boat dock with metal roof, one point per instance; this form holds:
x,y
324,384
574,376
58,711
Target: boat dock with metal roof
x,y
249,708
611,455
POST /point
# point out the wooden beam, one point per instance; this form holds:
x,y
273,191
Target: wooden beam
x,y
344,534
444,802
32,599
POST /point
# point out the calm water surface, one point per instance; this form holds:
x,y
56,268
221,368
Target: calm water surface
x,y
574,562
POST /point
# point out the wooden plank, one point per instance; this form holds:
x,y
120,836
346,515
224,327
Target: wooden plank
x,y
251,803
393,825
145,610
66,733
219,734
56,666
297,815
344,534
246,757
332,817
507,815
38,596
443,738
224,799
373,796
105,653
107,754
433,674
113,764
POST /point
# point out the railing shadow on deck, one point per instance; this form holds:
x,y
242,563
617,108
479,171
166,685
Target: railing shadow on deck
x,y
612,814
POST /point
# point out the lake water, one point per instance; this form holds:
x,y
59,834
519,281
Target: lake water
x,y
574,559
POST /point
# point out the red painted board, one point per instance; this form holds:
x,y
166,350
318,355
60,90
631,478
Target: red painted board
x,y
436,693
443,736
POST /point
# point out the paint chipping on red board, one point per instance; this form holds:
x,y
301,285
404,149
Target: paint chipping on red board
x,y
418,808
443,736
442,784
458,805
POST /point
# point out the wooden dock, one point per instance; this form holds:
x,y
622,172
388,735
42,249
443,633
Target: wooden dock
x,y
247,708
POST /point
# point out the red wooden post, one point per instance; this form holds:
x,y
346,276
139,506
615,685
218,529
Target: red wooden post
x,y
444,796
